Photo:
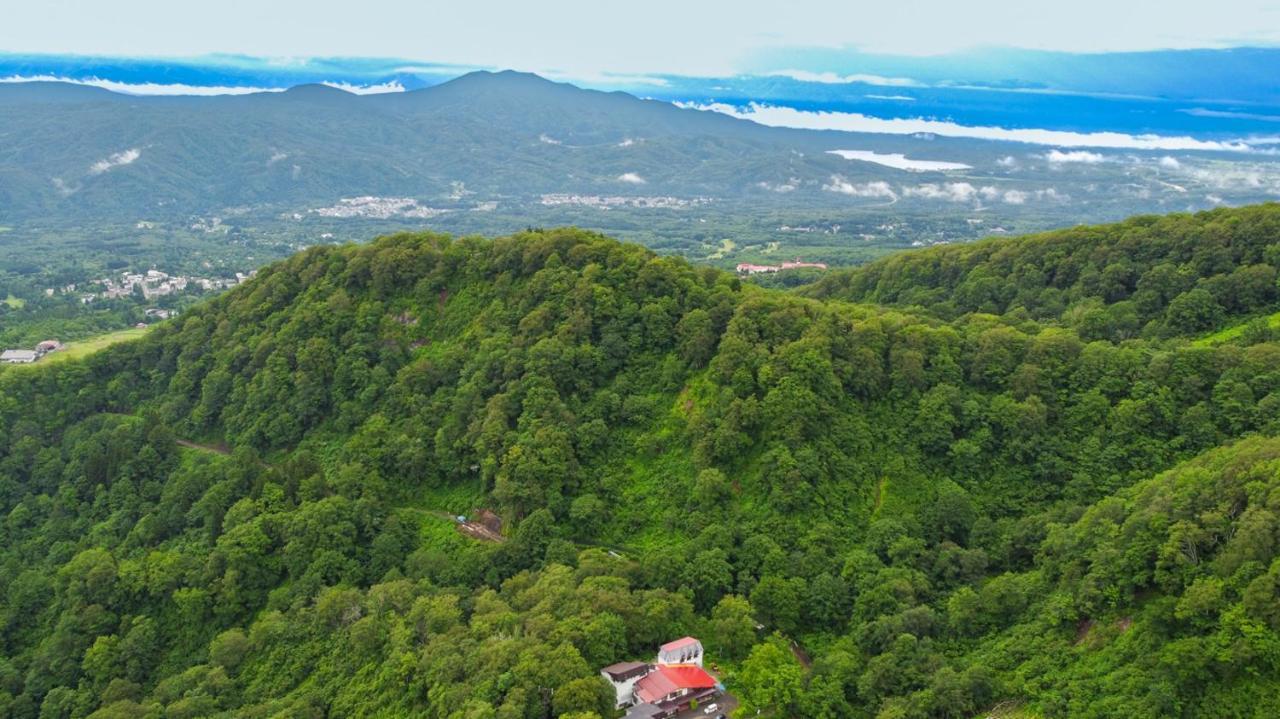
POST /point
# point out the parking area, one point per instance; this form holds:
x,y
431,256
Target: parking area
x,y
725,704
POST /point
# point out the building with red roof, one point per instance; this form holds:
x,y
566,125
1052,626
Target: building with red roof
x,y
674,687
671,684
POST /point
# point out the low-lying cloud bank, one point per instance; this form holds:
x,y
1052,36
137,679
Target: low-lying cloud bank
x,y
779,116
116,160
177,89
960,192
380,89
148,88
899,161
831,78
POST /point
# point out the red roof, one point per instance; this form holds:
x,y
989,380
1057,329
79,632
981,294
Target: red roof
x,y
678,644
671,678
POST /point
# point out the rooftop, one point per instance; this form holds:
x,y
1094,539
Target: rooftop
x,y
679,644
625,670
670,678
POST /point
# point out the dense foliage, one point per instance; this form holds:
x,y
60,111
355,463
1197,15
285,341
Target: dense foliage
x,y
947,509
1147,276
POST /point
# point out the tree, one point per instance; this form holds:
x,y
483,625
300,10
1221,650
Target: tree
x,y
1193,311
777,601
732,628
587,695
771,679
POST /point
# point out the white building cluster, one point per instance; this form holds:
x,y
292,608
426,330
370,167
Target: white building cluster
x,y
152,284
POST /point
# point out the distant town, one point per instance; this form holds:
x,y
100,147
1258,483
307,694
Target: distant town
x,y
746,268
151,284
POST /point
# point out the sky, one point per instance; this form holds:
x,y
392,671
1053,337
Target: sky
x,y
582,38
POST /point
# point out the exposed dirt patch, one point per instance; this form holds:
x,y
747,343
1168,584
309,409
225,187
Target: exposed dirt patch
x,y
801,655
473,528
477,530
488,519
1083,627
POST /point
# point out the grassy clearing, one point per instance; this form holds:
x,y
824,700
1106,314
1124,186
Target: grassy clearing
x,y
16,303
727,246
1233,332
456,499
88,346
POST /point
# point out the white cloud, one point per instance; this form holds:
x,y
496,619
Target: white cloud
x,y
1202,112
277,156
147,88
1252,178
879,189
1007,161
831,78
1170,162
546,139
63,188
1015,197
899,161
176,89
381,89
627,143
949,191
117,160
631,178
791,185
778,116
898,98
1077,156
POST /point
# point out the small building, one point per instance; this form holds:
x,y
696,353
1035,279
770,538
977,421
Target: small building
x,y
747,268
48,346
685,650
674,688
623,677
157,313
18,356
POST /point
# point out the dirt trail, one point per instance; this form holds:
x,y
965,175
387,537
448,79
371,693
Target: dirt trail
x,y
801,655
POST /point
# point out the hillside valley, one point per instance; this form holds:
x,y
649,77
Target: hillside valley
x,y
1036,474
93,174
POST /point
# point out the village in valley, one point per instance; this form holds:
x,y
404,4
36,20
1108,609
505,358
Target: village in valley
x,y
673,684
747,268
151,284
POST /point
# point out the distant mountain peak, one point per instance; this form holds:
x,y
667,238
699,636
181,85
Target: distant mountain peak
x,y
316,89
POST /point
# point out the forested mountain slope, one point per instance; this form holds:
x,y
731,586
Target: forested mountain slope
x,y
1148,276
948,510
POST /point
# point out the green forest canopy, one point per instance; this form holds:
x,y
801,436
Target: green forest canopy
x,y
952,492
